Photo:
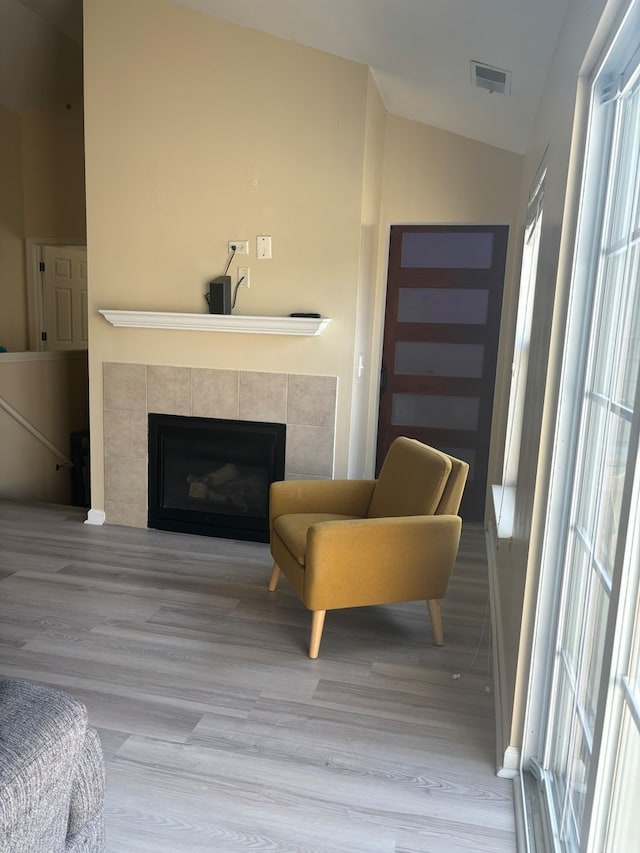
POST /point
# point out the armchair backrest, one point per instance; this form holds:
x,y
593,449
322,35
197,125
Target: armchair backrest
x,y
452,495
412,481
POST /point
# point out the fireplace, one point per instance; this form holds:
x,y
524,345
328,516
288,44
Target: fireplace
x,y
211,476
305,404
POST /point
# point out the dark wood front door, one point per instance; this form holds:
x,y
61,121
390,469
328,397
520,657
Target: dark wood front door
x,y
442,322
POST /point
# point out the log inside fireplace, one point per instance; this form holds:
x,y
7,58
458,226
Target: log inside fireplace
x,y
211,476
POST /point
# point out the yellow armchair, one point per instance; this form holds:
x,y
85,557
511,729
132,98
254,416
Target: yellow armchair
x,y
350,543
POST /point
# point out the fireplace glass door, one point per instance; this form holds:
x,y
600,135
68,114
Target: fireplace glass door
x,y
211,476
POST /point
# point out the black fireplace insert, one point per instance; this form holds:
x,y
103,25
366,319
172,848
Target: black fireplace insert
x,y
211,476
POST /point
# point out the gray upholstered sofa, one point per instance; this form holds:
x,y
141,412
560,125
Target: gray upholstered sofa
x,y
52,781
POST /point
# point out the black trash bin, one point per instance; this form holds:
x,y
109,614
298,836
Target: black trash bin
x,y
80,479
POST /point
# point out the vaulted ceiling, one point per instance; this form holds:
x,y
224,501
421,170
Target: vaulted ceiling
x,y
419,51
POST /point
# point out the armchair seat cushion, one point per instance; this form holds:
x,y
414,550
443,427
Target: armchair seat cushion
x,y
293,528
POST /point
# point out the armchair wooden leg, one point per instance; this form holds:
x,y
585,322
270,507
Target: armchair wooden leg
x,y
317,624
275,577
436,620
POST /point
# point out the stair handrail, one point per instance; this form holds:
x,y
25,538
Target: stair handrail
x,y
65,462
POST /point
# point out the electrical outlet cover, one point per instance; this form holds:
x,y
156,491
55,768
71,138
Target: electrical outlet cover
x,y
243,278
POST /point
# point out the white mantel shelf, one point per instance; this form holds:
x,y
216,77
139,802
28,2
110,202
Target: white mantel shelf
x,y
217,322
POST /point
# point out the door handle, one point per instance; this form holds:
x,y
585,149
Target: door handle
x,y
383,379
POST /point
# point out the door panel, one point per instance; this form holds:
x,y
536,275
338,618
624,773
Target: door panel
x,y
441,305
417,358
447,249
65,297
435,411
444,298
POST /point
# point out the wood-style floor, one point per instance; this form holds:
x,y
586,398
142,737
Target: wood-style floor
x,y
220,734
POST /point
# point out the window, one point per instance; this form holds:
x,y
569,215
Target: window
x,y
528,273
583,740
504,495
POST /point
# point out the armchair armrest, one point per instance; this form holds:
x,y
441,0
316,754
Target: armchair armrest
x,y
342,497
379,560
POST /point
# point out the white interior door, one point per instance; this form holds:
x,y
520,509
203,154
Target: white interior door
x,y
64,297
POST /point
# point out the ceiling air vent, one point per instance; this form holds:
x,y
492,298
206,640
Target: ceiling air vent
x,y
490,78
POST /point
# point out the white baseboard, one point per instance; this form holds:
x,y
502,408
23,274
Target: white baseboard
x,y
510,763
95,516
507,757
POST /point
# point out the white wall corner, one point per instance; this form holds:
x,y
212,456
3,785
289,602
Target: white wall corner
x,y
95,516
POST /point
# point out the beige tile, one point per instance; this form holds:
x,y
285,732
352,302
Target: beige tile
x,y
309,451
263,397
311,400
125,433
215,393
169,390
125,386
125,513
125,481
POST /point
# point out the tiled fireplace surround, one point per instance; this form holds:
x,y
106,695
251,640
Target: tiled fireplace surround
x,y
306,404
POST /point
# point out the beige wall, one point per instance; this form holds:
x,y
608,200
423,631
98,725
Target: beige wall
x,y
197,148
43,195
183,154
49,390
13,298
434,176
53,169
